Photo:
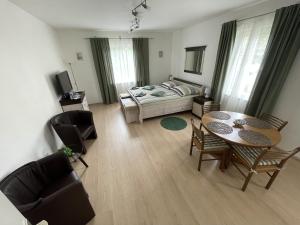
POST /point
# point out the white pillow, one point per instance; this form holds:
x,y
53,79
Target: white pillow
x,y
184,90
168,84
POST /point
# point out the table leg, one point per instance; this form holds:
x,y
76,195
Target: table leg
x,y
228,158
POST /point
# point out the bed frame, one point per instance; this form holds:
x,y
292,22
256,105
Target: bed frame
x,y
165,107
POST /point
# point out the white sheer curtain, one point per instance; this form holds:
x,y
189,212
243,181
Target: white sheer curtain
x,y
247,54
123,64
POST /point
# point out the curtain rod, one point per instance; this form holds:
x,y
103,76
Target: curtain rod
x,y
119,37
256,16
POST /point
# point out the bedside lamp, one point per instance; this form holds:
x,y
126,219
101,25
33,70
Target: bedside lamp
x,y
207,92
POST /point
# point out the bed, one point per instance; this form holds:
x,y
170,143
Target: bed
x,y
151,106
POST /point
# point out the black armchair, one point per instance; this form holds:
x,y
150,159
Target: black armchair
x,y
49,189
74,127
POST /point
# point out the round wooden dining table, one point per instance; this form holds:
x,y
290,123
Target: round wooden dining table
x,y
232,134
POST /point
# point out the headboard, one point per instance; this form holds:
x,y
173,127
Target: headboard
x,y
187,82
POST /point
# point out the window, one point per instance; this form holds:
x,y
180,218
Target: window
x,y
245,60
123,63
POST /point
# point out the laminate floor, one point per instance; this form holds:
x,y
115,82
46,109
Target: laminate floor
x,y
142,174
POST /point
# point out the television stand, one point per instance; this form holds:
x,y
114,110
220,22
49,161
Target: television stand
x,y
68,104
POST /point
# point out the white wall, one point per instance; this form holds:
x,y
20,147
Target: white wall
x,y
10,214
29,55
288,107
208,33
72,41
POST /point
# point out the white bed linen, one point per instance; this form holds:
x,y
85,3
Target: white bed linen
x,y
148,98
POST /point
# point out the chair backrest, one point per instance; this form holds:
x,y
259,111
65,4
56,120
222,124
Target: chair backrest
x,y
206,108
59,119
198,135
281,155
279,124
24,185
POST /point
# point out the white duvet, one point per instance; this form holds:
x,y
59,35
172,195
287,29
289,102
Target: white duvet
x,y
148,98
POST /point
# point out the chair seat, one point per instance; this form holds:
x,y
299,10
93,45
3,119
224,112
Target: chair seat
x,y
213,143
251,154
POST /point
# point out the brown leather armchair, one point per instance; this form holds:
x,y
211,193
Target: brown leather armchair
x,y
74,127
49,189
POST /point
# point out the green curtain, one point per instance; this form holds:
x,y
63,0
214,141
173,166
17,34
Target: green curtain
x,y
104,69
141,60
282,48
225,46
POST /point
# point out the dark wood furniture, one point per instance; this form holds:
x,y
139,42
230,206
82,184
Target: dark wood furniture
x,y
49,189
208,144
234,138
74,127
206,108
210,107
260,160
279,124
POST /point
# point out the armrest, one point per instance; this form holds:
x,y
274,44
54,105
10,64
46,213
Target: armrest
x,y
69,205
55,166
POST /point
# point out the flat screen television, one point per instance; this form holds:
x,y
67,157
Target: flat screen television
x,y
64,83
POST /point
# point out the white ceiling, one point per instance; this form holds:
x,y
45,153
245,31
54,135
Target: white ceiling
x,y
115,14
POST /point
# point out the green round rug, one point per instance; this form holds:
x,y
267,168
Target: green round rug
x,y
173,123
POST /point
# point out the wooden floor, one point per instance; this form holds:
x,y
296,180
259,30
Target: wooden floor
x,y
142,174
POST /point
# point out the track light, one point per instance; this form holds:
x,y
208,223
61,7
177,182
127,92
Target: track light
x,y
136,22
134,12
144,4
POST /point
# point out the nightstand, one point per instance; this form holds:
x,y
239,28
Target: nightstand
x,y
199,101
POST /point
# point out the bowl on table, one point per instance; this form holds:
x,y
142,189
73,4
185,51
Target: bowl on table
x,y
239,123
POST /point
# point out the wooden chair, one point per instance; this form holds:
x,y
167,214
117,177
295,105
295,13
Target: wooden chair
x,y
279,124
208,144
206,108
258,160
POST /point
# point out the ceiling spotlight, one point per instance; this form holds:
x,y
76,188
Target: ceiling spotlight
x,y
134,12
136,22
144,4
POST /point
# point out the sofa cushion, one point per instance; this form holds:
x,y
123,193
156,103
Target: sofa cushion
x,y
54,171
24,186
59,184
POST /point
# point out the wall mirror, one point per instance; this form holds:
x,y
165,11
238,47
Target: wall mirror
x,y
194,59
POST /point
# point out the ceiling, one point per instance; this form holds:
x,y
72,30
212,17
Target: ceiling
x,y
115,14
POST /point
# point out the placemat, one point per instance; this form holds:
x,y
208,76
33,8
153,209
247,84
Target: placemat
x,y
254,137
257,123
219,115
220,128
